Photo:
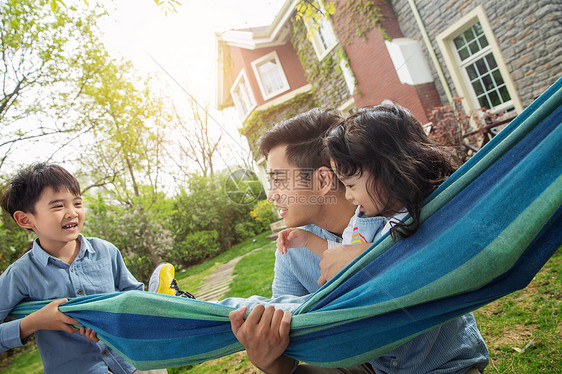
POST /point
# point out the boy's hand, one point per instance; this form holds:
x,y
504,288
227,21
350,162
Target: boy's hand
x,y
48,318
291,238
89,334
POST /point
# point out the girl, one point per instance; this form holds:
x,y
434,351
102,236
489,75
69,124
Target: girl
x,y
388,166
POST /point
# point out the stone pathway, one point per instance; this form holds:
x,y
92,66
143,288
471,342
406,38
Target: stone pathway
x,y
218,282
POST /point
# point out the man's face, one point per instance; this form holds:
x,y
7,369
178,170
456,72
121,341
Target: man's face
x,y
58,218
292,189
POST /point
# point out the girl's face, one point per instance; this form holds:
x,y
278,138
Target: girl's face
x,y
357,192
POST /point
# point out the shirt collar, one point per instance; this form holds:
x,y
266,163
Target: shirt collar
x,y
43,257
323,233
397,218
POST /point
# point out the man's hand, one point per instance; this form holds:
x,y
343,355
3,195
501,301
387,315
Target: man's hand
x,y
265,335
291,238
337,258
48,318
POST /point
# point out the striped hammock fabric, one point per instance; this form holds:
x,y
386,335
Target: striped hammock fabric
x,y
486,232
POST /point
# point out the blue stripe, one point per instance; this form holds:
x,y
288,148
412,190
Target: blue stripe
x,y
138,326
484,204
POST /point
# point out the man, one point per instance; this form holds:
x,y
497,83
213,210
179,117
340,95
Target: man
x,y
309,195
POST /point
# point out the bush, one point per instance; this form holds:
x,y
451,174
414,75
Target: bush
x,y
195,248
14,241
136,229
450,124
205,206
246,230
264,215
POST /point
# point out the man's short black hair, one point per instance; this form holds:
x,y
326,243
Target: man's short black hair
x,y
302,134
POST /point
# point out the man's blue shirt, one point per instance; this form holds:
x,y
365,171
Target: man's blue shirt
x,y
98,268
452,347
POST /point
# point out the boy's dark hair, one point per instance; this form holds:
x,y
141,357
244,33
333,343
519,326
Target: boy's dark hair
x,y
303,135
25,188
390,144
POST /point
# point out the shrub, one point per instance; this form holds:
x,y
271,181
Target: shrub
x,y
14,241
136,229
194,248
450,124
264,215
205,206
246,230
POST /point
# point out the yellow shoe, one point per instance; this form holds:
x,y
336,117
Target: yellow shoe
x,y
162,278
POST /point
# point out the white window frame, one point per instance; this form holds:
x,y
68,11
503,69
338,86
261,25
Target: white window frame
x,y
243,79
458,73
272,56
347,76
348,108
316,31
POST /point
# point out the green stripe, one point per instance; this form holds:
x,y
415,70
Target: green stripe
x,y
187,360
150,304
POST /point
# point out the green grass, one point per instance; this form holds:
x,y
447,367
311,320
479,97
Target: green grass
x,y
25,360
522,330
194,276
253,275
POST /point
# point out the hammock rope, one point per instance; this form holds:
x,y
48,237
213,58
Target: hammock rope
x,y
486,232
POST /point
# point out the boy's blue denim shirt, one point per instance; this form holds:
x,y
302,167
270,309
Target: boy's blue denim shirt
x,y
98,268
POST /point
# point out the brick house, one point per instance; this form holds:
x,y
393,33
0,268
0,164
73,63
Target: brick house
x,y
418,53
273,72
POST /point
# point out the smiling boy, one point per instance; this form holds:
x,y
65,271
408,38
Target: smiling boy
x,y
62,264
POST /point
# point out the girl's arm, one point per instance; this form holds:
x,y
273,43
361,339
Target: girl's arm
x,y
298,238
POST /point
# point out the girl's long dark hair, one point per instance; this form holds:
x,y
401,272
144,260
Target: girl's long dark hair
x,y
392,146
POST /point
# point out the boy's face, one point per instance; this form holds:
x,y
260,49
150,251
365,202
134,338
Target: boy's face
x,y
58,218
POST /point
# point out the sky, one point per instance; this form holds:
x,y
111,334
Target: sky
x,y
178,47
183,43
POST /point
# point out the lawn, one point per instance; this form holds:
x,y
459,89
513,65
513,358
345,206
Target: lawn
x,y
522,330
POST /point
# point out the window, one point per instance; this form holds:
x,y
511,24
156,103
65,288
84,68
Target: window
x,y
348,108
480,68
476,65
270,75
347,76
242,94
321,35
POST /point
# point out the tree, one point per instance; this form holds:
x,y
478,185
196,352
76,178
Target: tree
x,y
165,5
126,152
195,141
42,69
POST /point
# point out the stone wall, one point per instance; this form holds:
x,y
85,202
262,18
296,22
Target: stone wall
x,y
325,76
528,34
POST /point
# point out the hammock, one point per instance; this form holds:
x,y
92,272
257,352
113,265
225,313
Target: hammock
x,y
486,232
